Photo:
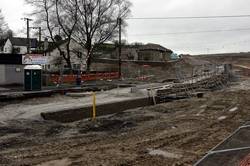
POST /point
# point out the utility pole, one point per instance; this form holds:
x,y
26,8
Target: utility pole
x,y
120,46
28,34
40,35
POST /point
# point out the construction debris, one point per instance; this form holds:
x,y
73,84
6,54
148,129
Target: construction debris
x,y
180,132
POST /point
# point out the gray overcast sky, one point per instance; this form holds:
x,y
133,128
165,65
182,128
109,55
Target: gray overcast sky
x,y
147,31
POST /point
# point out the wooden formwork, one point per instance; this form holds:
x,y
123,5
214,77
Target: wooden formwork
x,y
213,82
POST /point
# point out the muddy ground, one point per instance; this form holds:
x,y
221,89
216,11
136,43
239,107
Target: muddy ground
x,y
176,133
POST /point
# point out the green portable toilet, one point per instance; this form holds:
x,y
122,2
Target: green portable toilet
x,y
32,78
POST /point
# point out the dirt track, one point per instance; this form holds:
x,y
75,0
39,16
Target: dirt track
x,y
177,133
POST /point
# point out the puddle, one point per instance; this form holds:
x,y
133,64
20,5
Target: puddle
x,y
163,154
222,118
233,109
62,162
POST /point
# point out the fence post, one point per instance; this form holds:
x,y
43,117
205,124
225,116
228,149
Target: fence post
x,y
94,107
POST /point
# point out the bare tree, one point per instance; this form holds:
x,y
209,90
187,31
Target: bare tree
x,y
3,25
98,22
57,17
88,22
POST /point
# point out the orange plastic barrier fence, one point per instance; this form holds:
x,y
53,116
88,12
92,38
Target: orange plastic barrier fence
x,y
54,78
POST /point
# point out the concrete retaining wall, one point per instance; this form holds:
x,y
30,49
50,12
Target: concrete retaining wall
x,y
102,109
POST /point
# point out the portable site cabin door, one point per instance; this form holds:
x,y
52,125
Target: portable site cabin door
x,y
32,78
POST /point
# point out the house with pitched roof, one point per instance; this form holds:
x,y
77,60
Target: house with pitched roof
x,y
148,52
55,60
153,52
18,45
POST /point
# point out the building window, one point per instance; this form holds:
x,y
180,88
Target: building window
x,y
76,66
18,50
79,54
18,69
66,66
48,67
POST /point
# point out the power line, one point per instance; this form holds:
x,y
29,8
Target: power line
x,y
28,33
192,32
192,17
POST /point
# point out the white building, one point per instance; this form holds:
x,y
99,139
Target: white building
x,y
54,59
18,45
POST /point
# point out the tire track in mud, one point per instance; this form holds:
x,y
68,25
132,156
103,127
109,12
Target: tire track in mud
x,y
114,140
